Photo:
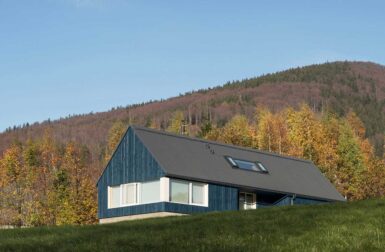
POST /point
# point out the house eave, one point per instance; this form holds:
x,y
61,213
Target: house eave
x,y
254,188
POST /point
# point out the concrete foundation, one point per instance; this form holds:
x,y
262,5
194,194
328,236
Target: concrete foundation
x,y
138,217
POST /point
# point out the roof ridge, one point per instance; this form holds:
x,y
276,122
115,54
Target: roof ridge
x,y
220,144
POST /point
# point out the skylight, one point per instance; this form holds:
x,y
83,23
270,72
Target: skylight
x,y
247,165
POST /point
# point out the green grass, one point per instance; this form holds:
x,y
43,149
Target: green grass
x,y
358,226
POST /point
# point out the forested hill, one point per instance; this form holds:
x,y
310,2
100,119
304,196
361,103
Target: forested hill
x,y
331,114
337,86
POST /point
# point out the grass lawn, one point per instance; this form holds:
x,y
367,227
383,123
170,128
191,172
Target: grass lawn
x,y
358,226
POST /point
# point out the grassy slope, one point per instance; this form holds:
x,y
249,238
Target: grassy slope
x,y
358,226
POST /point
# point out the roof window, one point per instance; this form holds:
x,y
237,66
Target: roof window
x,y
246,165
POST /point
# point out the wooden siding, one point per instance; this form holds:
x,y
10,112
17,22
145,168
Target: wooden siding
x,y
305,201
287,201
221,198
131,162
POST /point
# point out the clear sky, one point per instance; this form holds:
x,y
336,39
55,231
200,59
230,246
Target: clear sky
x,y
61,57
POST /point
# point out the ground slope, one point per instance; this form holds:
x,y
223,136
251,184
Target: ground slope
x,y
357,226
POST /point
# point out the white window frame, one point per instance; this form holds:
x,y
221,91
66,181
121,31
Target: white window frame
x,y
137,192
109,192
138,188
164,190
205,193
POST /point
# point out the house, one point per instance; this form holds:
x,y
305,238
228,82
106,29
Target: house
x,y
154,173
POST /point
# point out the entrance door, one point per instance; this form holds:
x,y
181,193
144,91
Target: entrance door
x,y
247,201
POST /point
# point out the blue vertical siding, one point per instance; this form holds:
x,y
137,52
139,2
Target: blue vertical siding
x,y
131,162
288,200
284,202
221,198
305,201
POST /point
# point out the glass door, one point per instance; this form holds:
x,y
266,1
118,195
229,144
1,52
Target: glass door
x,y
247,201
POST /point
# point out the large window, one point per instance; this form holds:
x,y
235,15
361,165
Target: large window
x,y
114,196
188,192
129,194
179,191
198,194
247,165
164,189
133,194
150,192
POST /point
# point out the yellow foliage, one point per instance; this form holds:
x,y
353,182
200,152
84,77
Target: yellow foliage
x,y
237,131
176,122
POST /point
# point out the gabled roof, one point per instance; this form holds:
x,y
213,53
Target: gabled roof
x,y
190,158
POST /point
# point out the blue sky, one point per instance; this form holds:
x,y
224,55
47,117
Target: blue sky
x,y
61,57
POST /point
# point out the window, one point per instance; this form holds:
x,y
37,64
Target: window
x,y
198,193
129,192
133,194
179,191
114,196
164,189
188,192
150,192
247,165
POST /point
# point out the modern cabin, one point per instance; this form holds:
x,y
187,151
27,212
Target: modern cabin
x,y
153,173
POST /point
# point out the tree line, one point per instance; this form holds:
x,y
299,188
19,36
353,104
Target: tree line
x,y
337,145
47,182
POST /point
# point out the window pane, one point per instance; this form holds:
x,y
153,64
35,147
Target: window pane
x,y
150,192
114,196
246,165
179,191
129,194
197,193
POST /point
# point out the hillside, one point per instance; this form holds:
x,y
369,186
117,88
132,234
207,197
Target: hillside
x,y
357,226
338,86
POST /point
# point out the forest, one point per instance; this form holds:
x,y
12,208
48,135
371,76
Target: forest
x,y
332,114
48,182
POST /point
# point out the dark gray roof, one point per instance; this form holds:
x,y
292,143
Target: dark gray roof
x,y
187,157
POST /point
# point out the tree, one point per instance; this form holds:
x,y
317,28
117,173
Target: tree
x,y
350,165
237,131
327,148
79,202
271,131
304,131
13,185
176,123
115,135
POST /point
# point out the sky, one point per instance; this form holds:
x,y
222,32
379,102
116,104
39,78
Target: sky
x,y
65,57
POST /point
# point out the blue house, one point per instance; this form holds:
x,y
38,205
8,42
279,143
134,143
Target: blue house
x,y
154,173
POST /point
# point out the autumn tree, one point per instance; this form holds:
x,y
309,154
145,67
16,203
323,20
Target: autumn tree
x,y
115,134
35,209
271,131
237,131
14,185
79,200
304,133
177,123
350,164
